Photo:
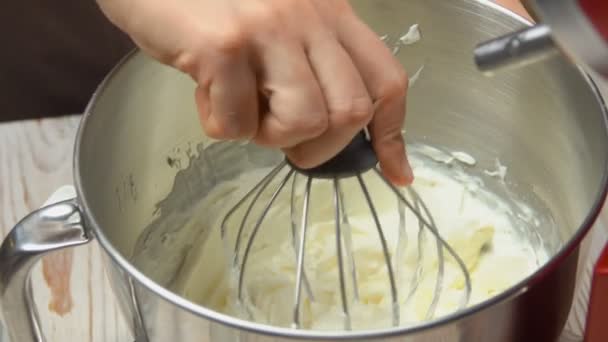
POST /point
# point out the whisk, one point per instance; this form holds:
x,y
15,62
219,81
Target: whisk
x,y
357,158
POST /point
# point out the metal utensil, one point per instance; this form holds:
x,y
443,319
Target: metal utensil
x,y
352,162
576,28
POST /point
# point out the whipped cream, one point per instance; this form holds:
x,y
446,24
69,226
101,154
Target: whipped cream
x,y
478,225
411,36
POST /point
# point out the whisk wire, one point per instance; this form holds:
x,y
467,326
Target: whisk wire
x,y
419,265
302,245
385,251
264,180
440,261
348,241
292,214
262,186
401,240
345,311
255,231
450,249
433,229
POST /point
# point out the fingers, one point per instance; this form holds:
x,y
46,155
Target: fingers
x,y
228,103
385,131
348,103
387,83
297,108
516,6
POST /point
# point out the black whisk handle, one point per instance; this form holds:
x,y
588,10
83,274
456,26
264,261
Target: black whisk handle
x,y
357,157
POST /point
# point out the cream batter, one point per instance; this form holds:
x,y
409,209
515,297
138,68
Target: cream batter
x,y
477,224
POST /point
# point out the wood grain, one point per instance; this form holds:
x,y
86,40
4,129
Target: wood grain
x,y
35,160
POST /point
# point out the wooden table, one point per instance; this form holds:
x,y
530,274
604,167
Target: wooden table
x,y
35,160
73,295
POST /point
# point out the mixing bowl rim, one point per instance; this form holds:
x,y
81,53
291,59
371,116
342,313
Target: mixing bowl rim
x,y
200,311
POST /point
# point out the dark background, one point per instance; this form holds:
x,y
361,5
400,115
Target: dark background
x,y
53,54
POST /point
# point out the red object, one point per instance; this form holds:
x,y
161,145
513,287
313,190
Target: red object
x,y
597,316
597,11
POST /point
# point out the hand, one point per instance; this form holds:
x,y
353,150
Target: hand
x,y
303,76
515,6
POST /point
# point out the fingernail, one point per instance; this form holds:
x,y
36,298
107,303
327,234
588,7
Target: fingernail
x,y
407,171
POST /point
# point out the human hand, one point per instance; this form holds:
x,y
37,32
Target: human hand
x,y
515,6
303,76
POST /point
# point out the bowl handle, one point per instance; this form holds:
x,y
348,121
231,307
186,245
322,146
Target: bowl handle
x,y
48,229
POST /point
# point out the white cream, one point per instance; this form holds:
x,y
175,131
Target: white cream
x,y
415,76
412,36
475,223
464,158
500,172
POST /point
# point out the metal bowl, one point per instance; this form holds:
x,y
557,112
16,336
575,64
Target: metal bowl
x,y
142,160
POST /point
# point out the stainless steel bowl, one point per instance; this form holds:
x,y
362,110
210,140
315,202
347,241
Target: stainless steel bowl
x,y
141,161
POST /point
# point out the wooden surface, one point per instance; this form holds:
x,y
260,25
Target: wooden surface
x,y
73,295
35,160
